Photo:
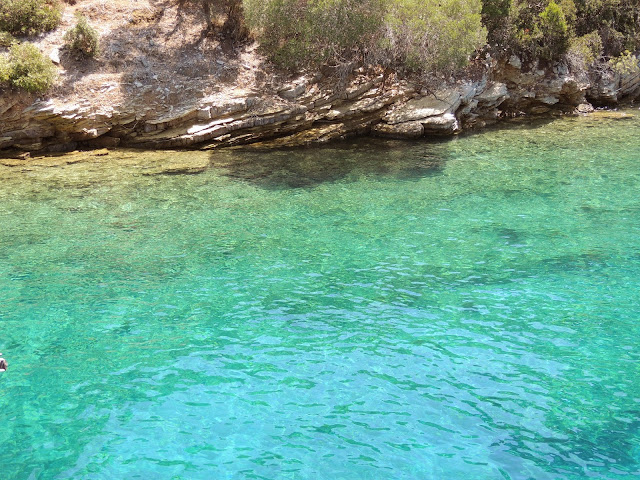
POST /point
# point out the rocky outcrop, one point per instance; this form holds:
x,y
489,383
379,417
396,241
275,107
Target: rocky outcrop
x,y
312,110
608,88
309,111
537,91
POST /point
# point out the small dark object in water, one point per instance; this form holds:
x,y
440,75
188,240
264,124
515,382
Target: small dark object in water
x,y
3,364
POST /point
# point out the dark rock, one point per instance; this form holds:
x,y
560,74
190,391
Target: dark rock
x,y
104,142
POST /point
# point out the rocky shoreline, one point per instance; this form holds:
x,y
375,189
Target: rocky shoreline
x,y
313,110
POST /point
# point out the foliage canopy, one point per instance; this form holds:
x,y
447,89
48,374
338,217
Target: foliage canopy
x,y
27,68
83,38
408,34
28,17
547,29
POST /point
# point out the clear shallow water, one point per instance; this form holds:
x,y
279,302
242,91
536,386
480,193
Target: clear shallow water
x,y
464,309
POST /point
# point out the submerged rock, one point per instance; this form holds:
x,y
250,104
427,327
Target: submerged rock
x,y
612,115
584,108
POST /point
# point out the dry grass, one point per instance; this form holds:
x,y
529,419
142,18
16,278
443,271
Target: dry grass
x,y
154,53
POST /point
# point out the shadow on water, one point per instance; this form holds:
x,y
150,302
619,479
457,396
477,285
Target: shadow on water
x,y
309,167
348,161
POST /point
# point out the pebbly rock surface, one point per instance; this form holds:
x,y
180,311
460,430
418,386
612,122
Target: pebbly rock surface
x,y
312,110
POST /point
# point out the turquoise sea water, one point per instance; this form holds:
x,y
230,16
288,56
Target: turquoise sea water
x,y
465,309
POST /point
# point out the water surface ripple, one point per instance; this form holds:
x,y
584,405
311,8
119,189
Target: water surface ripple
x,y
369,310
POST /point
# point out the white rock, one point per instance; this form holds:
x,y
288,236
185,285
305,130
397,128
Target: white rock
x,y
515,62
204,113
495,93
444,101
292,92
548,99
55,56
447,123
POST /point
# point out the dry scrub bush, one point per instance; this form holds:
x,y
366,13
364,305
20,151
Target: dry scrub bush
x,y
27,68
28,17
83,39
419,35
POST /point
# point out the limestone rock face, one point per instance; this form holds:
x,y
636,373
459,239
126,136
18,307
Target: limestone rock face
x,y
537,91
610,87
430,114
630,86
445,124
311,110
494,94
431,105
413,129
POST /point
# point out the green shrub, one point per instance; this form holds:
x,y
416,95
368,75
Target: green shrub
x,y
295,34
531,29
570,12
427,36
28,17
83,39
5,69
553,34
6,39
535,28
587,48
495,10
412,34
617,21
496,19
27,68
625,64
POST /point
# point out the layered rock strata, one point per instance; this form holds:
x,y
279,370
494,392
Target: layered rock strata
x,y
312,110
